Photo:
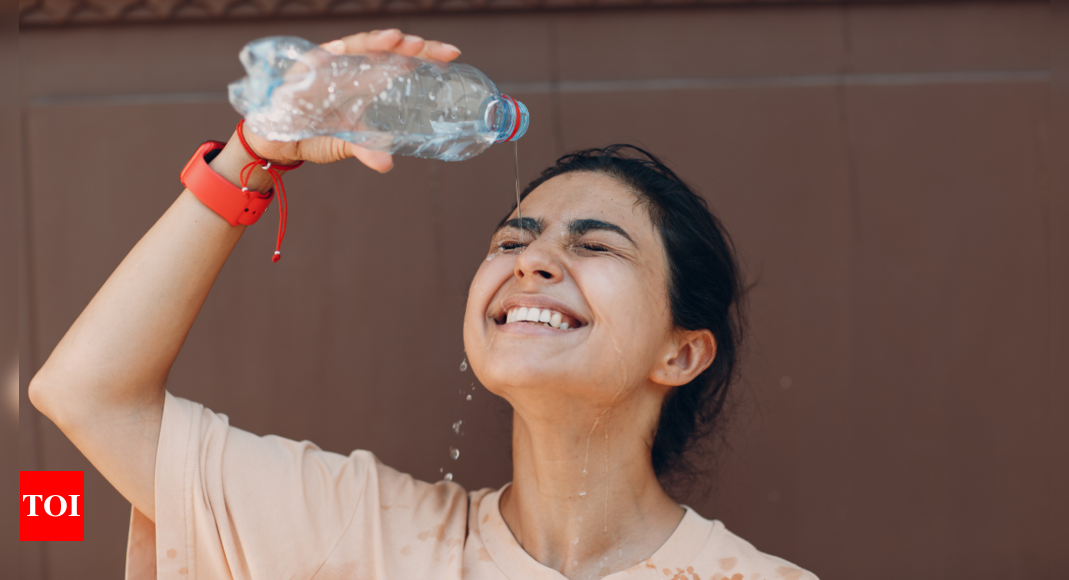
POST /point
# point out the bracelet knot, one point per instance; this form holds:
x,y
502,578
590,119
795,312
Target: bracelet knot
x,y
276,179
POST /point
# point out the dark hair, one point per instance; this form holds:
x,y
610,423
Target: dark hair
x,y
705,291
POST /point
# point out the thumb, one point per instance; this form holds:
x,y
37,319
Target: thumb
x,y
377,160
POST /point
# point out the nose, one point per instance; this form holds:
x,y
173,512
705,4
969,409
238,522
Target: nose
x,y
538,262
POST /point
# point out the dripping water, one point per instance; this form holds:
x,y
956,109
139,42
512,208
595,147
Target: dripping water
x,y
516,165
586,456
606,528
454,453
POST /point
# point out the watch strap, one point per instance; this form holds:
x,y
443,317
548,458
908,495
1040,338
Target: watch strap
x,y
235,204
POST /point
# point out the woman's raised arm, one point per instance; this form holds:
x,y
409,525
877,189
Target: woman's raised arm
x,y
103,385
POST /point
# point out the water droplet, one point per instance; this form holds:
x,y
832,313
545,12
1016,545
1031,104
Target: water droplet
x,y
448,477
575,541
454,453
469,397
491,257
456,426
463,365
582,494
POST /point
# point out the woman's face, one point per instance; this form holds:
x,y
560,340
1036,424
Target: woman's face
x,y
586,251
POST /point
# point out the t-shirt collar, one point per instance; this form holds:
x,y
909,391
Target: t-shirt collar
x,y
678,551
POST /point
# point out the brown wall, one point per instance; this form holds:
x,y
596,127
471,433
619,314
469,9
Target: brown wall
x,y
882,168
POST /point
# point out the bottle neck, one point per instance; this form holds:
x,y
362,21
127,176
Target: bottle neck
x,y
510,119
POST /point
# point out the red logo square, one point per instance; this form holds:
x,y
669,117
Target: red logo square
x,y
52,506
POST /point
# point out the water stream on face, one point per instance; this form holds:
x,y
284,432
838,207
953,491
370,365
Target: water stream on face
x,y
516,164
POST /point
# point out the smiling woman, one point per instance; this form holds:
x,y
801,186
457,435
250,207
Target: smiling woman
x,y
608,316
704,289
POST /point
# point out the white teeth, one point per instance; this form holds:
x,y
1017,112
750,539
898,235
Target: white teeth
x,y
539,315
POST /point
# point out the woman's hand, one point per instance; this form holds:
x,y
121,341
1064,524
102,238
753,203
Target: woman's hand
x,y
331,149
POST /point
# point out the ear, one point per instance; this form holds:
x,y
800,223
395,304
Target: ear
x,y
687,354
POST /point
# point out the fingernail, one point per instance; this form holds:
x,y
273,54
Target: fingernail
x,y
450,47
412,38
335,46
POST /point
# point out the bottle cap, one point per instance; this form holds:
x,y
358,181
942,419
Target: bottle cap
x,y
516,120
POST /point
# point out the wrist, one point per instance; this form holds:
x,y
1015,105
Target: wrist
x,y
230,161
237,183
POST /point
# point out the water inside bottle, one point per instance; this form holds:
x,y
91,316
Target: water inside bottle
x,y
380,100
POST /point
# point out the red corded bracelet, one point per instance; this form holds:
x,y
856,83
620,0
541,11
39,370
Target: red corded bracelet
x,y
237,205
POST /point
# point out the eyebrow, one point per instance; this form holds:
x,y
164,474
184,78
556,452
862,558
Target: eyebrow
x,y
580,227
532,225
576,228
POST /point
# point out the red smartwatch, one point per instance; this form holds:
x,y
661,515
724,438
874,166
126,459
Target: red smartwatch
x,y
237,205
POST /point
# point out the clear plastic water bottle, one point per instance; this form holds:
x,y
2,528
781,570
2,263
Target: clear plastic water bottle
x,y
381,101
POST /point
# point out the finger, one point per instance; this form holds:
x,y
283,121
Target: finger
x,y
435,50
322,149
334,46
377,160
384,39
410,45
376,40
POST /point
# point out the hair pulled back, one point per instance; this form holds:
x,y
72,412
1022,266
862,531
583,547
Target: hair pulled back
x,y
705,291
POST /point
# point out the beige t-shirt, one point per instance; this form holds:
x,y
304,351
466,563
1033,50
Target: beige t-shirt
x,y
230,504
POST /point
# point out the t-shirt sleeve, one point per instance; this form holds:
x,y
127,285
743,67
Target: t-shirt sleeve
x,y
230,504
